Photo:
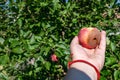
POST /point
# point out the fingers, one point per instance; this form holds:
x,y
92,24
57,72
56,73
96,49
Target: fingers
x,y
74,42
102,45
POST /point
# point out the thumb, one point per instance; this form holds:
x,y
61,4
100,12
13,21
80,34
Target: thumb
x,y
74,41
102,45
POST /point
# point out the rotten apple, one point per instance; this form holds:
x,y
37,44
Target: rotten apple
x,y
89,37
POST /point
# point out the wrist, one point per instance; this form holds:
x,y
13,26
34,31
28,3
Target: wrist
x,y
86,67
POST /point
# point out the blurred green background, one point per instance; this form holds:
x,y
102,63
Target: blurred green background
x,y
32,30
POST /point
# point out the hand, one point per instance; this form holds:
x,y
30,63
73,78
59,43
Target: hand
x,y
94,56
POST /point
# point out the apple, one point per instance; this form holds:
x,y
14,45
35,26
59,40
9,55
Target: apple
x,y
54,58
89,37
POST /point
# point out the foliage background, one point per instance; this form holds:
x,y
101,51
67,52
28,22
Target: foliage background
x,y
31,31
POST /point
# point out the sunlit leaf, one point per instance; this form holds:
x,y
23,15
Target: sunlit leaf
x,y
17,50
116,75
113,46
110,60
4,59
47,65
1,40
3,76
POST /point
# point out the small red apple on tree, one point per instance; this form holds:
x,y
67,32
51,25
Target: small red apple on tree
x,y
89,37
54,58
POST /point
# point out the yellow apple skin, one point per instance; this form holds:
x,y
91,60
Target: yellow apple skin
x,y
89,37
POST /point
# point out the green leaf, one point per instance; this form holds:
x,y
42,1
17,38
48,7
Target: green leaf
x,y
17,50
61,46
110,60
30,73
27,34
38,69
116,75
3,76
4,59
32,40
32,47
1,40
115,66
47,65
54,37
112,46
74,20
107,41
20,22
105,72
110,12
14,42
47,49
102,78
